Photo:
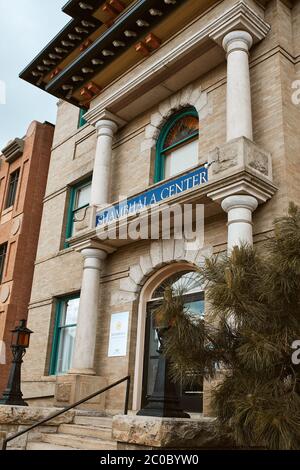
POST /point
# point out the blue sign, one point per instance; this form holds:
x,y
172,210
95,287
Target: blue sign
x,y
136,204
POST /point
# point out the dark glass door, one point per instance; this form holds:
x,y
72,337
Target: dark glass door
x,y
192,396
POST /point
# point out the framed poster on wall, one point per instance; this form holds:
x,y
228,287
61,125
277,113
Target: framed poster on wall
x,y
118,334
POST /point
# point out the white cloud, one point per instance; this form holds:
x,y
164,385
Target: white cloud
x,y
25,29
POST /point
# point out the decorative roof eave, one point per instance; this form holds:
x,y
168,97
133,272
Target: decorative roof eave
x,y
13,150
63,44
131,90
81,8
122,35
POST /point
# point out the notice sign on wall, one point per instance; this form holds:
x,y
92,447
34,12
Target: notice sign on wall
x,y
118,335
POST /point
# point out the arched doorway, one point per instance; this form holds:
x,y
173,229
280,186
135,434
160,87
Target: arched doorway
x,y
180,275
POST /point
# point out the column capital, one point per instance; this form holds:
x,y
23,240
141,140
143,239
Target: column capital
x,y
106,127
237,41
94,116
259,189
239,209
239,202
241,18
94,246
93,253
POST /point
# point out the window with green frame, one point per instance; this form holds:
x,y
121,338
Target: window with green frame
x,y
64,334
80,195
177,146
81,120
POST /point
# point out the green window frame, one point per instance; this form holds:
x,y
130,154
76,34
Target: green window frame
x,y
81,121
12,189
60,328
161,149
74,207
3,251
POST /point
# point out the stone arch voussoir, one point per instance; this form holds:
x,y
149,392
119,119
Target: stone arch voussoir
x,y
191,95
162,253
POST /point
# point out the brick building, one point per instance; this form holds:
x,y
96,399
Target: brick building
x,y
143,113
23,175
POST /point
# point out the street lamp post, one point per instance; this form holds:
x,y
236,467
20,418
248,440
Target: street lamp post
x,y
20,342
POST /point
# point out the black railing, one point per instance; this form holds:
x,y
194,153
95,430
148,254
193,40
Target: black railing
x,y
70,407
42,397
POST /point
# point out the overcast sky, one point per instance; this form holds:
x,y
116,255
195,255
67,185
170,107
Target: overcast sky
x,y
26,26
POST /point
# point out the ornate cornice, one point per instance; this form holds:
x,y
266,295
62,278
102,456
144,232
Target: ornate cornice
x,y
71,78
13,150
79,8
70,38
138,20
240,15
73,66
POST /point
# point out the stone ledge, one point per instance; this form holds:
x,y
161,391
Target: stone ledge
x,y
171,433
23,415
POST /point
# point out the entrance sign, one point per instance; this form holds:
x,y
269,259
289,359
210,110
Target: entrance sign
x,y
118,335
153,196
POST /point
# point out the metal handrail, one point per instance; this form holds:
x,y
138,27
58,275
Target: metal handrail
x,y
38,398
70,407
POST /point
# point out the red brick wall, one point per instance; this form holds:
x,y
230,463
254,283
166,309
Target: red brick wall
x,y
22,245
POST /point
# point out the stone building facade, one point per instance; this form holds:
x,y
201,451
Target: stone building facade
x,y
231,65
23,176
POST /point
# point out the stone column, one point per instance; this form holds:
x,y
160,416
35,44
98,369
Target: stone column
x,y
102,166
239,115
85,341
239,209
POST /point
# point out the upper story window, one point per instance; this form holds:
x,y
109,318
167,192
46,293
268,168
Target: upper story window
x,y
3,251
177,147
79,199
12,189
81,120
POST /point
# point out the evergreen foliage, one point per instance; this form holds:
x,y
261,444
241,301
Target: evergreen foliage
x,y
253,318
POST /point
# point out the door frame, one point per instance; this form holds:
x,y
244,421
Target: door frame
x,y
151,304
146,293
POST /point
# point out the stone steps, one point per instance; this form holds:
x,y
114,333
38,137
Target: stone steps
x,y
93,421
78,442
45,446
97,432
80,431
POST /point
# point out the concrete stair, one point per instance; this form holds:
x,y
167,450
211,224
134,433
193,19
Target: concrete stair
x,y
99,421
86,433
45,446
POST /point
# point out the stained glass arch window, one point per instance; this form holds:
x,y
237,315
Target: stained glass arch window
x,y
177,146
185,282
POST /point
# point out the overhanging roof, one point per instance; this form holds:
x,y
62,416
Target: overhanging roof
x,y
81,9
102,41
126,23
61,46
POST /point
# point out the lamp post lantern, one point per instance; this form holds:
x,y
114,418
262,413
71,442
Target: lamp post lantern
x,y
19,344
